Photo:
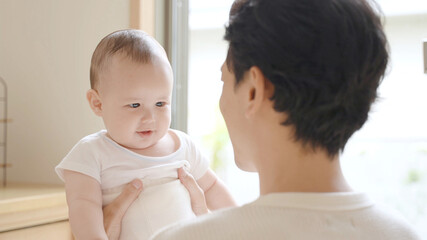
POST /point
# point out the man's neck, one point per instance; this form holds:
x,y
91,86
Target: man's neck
x,y
288,167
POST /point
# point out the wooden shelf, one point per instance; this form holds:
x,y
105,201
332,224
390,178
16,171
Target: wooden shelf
x,y
58,230
27,205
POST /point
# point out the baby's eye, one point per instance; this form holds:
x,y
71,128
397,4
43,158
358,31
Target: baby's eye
x,y
160,104
134,105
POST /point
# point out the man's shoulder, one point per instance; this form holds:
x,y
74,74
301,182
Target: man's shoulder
x,y
258,221
392,222
202,227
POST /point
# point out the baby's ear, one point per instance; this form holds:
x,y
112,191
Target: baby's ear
x,y
94,101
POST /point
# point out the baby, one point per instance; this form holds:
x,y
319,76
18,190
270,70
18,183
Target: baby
x,y
131,87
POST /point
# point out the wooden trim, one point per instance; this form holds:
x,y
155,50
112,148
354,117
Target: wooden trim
x,y
142,16
5,120
425,55
2,165
178,55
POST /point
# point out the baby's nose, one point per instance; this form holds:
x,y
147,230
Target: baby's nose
x,y
147,116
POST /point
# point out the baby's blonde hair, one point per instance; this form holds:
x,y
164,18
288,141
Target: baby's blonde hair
x,y
135,44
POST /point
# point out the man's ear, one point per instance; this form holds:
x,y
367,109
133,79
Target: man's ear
x,y
94,101
259,90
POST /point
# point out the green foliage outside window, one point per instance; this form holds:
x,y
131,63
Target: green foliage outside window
x,y
216,142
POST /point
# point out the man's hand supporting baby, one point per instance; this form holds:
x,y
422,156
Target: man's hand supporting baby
x,y
114,212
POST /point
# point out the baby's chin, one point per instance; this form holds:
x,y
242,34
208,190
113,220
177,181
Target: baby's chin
x,y
135,147
138,147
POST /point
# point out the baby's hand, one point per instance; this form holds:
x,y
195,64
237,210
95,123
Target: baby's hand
x,y
114,212
198,200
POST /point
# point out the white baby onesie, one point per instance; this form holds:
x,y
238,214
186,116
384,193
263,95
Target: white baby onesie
x,y
164,200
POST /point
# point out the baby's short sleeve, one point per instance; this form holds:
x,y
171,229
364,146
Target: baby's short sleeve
x,y
83,159
199,163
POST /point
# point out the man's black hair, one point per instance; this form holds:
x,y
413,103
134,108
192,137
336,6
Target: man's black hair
x,y
325,58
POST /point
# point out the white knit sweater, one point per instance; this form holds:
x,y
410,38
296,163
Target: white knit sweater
x,y
296,216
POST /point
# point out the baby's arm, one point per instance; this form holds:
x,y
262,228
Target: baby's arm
x,y
216,194
84,198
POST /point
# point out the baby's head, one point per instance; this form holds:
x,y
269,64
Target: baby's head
x,y
131,88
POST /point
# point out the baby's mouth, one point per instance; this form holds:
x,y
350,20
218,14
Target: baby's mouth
x,y
145,133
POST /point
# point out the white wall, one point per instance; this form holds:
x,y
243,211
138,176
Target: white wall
x,y
45,51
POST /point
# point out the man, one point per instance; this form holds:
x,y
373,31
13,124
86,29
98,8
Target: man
x,y
299,80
